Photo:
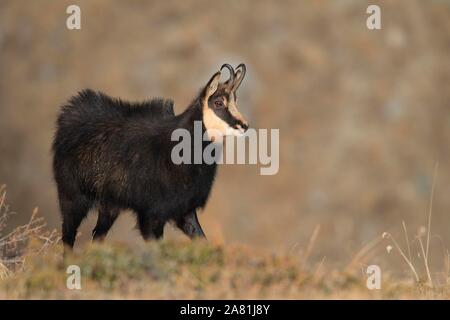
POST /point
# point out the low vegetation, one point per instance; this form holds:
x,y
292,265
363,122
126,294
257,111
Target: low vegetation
x,y
32,266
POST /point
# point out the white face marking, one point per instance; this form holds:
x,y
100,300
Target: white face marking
x,y
216,126
213,124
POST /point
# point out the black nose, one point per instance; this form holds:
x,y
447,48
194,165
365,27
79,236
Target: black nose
x,y
244,126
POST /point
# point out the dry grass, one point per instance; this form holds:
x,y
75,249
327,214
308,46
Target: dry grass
x,y
32,267
194,270
424,249
14,244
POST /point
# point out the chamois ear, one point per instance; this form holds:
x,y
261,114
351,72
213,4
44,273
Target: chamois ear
x,y
212,85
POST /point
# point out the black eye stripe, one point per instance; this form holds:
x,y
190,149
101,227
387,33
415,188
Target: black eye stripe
x,y
226,116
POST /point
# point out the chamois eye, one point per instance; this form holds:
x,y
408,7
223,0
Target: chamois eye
x,y
218,104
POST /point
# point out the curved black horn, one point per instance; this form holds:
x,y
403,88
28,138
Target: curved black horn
x,y
231,70
239,80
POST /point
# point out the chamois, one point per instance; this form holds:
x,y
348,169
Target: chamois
x,y
114,155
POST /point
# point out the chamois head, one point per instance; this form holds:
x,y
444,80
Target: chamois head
x,y
220,113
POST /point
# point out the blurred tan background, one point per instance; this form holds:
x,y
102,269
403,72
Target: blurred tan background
x,y
363,115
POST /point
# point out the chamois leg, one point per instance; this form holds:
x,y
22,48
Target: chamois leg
x,y
73,212
190,225
149,226
106,217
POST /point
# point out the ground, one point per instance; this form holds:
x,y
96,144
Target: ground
x,y
192,270
33,265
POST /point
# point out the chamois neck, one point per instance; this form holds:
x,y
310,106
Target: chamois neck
x,y
194,112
